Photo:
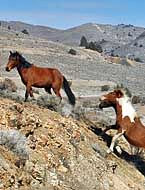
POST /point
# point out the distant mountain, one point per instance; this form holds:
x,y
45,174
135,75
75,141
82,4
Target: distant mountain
x,y
123,40
135,49
34,30
120,34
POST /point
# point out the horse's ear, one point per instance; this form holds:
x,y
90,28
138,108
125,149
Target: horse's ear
x,y
11,53
119,93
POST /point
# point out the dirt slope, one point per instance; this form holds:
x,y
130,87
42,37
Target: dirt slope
x,y
39,149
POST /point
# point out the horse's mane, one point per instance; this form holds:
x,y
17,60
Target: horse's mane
x,y
24,62
124,90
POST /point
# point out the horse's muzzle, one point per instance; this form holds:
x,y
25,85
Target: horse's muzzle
x,y
100,106
103,105
7,69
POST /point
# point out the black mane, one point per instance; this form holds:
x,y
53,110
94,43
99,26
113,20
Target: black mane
x,y
23,62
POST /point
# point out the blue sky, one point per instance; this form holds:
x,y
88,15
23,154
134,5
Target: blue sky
x,y
66,14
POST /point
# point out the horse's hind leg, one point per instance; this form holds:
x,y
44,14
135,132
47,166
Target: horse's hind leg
x,y
31,93
57,92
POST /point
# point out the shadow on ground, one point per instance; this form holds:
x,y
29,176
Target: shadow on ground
x,y
137,160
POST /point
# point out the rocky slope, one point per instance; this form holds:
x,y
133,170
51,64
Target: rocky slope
x,y
42,150
85,65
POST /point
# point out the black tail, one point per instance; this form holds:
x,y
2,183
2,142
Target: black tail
x,y
68,91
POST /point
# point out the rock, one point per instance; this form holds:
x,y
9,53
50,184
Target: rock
x,y
62,169
72,52
105,88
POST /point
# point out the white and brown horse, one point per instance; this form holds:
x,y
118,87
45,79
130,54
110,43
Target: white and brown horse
x,y
128,123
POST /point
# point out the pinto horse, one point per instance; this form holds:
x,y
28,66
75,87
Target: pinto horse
x,y
128,123
39,77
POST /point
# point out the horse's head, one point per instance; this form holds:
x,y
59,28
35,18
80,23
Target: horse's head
x,y
13,61
110,99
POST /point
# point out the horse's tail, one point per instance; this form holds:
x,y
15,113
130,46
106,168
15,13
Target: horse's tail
x,y
68,92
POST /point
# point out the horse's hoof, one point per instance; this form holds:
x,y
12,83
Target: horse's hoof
x,y
109,151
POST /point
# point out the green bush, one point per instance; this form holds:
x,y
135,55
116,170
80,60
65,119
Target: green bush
x,y
95,46
83,42
25,31
137,59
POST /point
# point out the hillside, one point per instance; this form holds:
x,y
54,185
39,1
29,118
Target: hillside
x,y
42,149
54,152
34,30
85,65
134,49
121,33
121,39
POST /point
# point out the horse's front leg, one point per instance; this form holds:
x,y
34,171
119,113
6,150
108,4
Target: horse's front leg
x,y
114,140
31,93
28,89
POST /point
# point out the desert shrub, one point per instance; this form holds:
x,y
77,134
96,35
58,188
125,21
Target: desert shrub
x,y
135,44
136,99
9,28
11,95
83,42
14,141
105,87
112,54
49,101
95,46
8,84
103,41
72,51
137,59
129,34
25,31
143,100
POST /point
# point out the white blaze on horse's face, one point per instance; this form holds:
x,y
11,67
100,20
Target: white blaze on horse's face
x,y
127,108
102,98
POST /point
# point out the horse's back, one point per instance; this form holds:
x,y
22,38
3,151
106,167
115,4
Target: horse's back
x,y
41,76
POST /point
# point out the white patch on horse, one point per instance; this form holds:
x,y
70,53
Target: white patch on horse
x,y
102,98
127,108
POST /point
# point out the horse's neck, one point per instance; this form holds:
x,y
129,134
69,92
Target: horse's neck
x,y
118,111
21,69
124,109
23,65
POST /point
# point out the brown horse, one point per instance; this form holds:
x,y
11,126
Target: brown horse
x,y
46,78
128,123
